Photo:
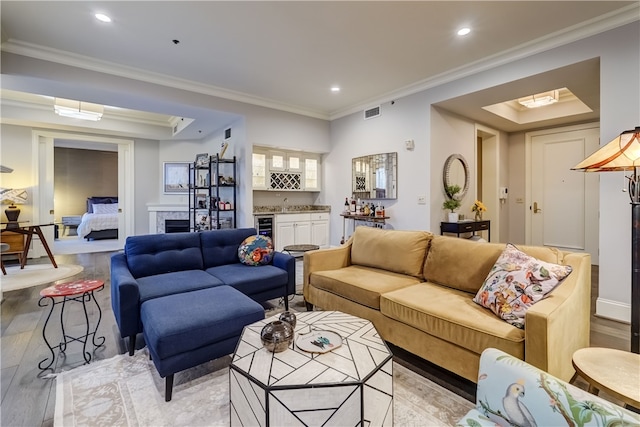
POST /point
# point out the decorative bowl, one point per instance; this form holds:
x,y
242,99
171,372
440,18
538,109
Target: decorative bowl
x,y
289,317
276,336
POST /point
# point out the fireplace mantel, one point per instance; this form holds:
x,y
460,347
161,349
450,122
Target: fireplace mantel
x,y
158,212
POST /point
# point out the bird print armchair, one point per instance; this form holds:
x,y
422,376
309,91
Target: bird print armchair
x,y
511,392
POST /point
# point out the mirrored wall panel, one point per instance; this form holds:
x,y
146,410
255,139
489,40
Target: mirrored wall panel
x,y
375,176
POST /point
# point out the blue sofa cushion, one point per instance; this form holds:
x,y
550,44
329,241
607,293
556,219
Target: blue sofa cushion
x,y
188,321
174,283
220,247
163,253
249,279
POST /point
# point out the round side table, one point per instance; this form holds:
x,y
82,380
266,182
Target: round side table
x,y
79,291
300,248
616,372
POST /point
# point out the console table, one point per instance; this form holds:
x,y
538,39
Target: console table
x,y
27,229
466,227
378,221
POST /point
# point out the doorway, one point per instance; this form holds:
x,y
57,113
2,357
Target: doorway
x,y
563,204
43,148
488,176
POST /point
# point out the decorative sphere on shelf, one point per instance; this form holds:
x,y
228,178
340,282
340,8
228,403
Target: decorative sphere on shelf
x,y
289,317
276,336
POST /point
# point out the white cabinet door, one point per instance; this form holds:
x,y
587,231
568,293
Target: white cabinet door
x,y
303,233
292,229
320,233
320,229
285,235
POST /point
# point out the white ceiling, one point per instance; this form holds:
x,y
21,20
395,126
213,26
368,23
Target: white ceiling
x,y
288,54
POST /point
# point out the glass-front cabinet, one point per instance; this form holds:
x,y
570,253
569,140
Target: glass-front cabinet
x,y
259,170
312,173
285,161
283,170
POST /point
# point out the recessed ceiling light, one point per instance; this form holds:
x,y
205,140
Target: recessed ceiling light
x,y
102,17
464,31
335,89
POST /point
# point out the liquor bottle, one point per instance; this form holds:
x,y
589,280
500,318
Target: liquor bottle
x,y
358,207
352,208
346,205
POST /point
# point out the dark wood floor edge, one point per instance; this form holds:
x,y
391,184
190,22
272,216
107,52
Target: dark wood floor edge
x,y
444,378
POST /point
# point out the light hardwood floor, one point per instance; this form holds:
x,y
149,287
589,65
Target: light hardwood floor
x,y
28,394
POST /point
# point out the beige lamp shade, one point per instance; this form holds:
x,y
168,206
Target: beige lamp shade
x,y
623,153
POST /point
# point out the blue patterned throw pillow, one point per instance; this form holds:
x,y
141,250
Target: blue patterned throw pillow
x,y
256,250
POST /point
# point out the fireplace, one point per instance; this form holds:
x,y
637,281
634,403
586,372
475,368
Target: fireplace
x,y
176,225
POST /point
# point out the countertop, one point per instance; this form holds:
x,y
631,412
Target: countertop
x,y
292,209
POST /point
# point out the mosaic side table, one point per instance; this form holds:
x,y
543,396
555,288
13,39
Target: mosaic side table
x,y
79,291
350,385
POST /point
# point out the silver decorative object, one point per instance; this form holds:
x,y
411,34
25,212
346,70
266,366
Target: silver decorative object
x,y
276,336
289,317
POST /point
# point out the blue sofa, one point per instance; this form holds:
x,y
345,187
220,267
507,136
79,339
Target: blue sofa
x,y
158,265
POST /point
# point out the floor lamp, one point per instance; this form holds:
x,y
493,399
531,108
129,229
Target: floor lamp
x,y
623,154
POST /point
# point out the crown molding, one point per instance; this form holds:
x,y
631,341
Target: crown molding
x,y
606,22
622,16
44,53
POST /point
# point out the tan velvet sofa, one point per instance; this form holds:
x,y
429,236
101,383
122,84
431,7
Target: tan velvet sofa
x,y
417,289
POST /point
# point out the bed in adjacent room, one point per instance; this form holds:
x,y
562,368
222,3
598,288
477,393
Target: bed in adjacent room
x,y
101,219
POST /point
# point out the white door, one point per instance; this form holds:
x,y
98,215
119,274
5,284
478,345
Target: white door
x,y
563,204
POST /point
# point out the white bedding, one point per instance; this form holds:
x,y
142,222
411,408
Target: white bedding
x,y
95,222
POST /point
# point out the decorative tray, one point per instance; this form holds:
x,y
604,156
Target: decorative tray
x,y
318,341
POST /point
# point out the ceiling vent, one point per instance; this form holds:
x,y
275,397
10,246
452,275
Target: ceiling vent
x,y
372,112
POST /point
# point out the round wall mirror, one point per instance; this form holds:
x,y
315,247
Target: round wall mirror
x,y
456,172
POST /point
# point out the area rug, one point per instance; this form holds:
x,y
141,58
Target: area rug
x,y
127,391
36,274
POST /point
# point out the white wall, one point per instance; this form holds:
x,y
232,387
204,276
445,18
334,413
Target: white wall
x,y
15,152
352,136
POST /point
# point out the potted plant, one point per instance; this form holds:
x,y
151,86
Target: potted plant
x,y
452,203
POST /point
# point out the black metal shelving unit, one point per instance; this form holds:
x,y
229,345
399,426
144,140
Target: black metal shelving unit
x,y
213,194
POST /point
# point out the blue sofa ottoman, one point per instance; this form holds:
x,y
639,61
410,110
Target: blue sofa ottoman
x,y
158,265
187,329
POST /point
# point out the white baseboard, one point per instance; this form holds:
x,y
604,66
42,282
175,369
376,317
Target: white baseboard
x,y
613,310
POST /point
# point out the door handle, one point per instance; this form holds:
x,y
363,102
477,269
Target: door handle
x,y
535,208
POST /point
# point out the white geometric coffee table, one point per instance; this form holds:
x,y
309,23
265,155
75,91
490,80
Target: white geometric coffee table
x,y
350,385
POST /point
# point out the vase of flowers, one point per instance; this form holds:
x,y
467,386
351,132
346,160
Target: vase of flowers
x,y
478,208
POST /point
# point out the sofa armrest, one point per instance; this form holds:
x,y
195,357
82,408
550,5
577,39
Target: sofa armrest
x,y
125,296
559,324
287,263
325,259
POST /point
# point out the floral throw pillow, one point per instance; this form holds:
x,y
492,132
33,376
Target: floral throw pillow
x,y
516,282
256,250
